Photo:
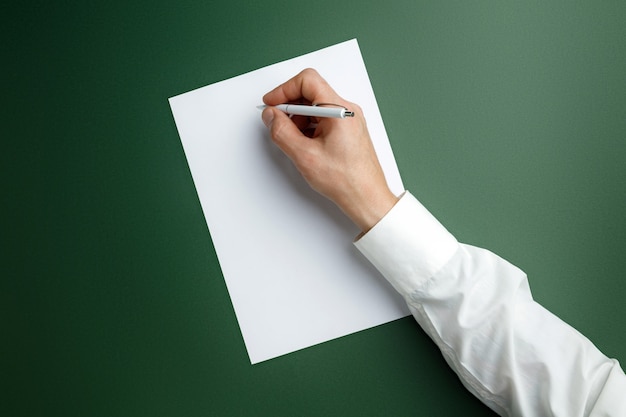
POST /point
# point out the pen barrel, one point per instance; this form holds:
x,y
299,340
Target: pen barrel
x,y
313,111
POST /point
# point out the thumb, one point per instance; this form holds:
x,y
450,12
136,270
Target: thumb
x,y
283,131
268,116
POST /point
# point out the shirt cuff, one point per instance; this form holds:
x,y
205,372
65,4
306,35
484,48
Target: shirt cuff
x,y
408,246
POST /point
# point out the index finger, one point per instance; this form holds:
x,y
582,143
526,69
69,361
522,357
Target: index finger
x,y
309,85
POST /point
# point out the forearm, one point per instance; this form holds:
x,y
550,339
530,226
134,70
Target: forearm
x,y
513,354
508,350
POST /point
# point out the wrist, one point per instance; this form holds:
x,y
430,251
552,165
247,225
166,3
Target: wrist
x,y
367,210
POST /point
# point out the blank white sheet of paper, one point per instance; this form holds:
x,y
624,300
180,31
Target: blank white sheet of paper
x,y
292,272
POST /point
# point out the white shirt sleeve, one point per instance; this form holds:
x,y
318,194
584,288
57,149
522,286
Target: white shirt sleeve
x,y
510,352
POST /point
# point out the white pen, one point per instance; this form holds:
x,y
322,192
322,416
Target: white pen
x,y
313,111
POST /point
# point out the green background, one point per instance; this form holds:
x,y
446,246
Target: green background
x,y
507,119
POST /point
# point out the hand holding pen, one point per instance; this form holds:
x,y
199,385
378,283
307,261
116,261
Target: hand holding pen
x,y
338,160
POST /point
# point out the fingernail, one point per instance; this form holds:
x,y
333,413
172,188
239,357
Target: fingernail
x,y
268,117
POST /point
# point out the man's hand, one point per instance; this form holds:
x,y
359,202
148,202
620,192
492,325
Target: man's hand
x,y
336,157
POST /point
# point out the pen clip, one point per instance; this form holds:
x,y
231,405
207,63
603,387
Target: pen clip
x,y
348,113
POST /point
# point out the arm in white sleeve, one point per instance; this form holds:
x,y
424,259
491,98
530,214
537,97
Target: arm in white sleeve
x,y
510,352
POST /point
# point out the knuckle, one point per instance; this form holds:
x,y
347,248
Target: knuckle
x,y
356,108
277,130
311,72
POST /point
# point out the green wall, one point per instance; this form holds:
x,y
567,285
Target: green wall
x,y
508,121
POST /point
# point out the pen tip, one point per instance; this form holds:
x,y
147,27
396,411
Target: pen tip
x,y
261,107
